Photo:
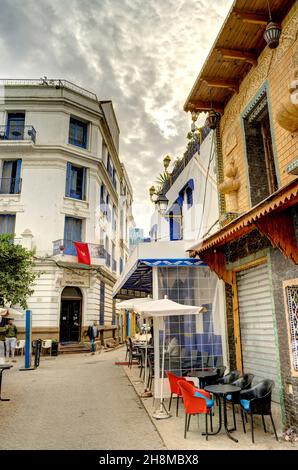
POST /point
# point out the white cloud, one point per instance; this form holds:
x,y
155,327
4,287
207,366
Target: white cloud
x,y
144,55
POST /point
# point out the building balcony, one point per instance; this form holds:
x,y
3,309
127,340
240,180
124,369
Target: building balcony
x,y
66,247
10,185
17,133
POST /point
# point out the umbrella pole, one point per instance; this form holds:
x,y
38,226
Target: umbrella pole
x,y
146,393
162,413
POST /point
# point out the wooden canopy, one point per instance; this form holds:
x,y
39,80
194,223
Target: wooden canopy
x,y
236,49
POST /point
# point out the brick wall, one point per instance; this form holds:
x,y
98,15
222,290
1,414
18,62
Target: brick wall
x,y
283,270
276,69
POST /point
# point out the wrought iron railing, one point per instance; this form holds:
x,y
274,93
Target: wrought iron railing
x,y
66,247
17,132
10,185
192,148
47,82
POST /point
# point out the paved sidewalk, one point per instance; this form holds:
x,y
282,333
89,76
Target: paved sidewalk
x,y
172,429
74,402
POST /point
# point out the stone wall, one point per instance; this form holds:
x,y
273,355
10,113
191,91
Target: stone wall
x,y
245,246
284,270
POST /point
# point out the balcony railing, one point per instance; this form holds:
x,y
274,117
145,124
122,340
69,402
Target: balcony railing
x,y
10,185
47,82
66,247
17,133
192,148
114,265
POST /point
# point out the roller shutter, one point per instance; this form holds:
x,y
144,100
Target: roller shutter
x,y
259,350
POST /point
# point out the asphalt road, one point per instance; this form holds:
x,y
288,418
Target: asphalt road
x,y
74,402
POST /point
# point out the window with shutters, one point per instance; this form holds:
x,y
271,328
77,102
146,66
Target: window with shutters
x,y
292,301
259,151
10,182
15,125
7,224
77,133
75,182
72,233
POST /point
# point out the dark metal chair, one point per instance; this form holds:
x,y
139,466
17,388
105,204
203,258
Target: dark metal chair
x,y
229,378
257,401
244,383
151,371
133,353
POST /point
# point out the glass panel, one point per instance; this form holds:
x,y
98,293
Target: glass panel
x,y
192,341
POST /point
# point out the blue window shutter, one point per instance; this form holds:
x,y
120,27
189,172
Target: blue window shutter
x,y
84,183
7,224
68,179
6,177
18,177
72,232
189,197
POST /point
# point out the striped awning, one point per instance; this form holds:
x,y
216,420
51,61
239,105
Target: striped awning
x,y
139,278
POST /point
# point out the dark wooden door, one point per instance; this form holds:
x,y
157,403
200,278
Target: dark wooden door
x,y
70,321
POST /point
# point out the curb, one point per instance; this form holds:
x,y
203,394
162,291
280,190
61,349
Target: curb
x,y
141,400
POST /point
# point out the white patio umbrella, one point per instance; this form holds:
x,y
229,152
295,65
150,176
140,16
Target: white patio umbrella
x,y
131,304
9,312
165,308
134,304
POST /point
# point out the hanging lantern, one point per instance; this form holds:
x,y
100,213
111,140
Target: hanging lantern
x,y
212,119
272,34
161,203
152,191
166,161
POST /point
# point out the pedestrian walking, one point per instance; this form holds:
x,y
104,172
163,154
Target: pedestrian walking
x,y
2,339
10,340
92,333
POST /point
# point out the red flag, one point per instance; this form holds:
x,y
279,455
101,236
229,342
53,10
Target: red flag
x,y
83,252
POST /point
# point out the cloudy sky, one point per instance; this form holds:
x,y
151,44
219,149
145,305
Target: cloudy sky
x,y
142,54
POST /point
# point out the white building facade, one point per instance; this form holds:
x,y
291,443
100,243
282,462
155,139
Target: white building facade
x,y
164,268
62,181
191,191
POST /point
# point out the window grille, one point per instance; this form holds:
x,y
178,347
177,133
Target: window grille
x,y
292,298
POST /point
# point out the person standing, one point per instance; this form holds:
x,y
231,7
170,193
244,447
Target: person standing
x,y
2,339
10,340
92,332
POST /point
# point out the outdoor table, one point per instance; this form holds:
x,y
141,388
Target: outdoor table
x,y
2,368
202,375
222,390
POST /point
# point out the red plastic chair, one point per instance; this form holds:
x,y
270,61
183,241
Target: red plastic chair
x,y
194,405
175,389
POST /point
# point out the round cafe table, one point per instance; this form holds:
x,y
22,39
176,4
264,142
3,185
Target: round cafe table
x,y
2,368
222,390
202,375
